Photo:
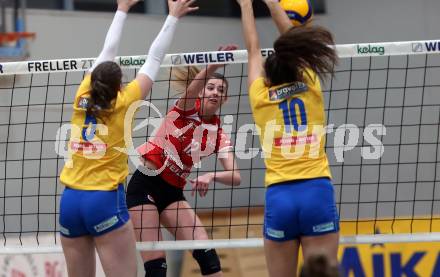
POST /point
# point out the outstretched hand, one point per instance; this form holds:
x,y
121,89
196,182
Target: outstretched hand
x,y
201,184
125,5
228,47
180,8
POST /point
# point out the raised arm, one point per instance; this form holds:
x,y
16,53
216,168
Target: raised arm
x,y
113,37
148,72
255,61
279,16
187,101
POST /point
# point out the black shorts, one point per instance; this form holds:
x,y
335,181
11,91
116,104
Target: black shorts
x,y
143,189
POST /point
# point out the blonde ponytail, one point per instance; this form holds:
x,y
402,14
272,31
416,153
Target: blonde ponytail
x,y
182,76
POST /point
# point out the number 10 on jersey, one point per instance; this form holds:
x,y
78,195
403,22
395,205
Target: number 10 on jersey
x,y
294,109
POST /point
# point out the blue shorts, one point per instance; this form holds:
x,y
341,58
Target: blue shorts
x,y
92,212
300,208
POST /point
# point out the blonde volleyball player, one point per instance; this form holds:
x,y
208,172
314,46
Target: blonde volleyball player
x,y
190,131
93,212
300,207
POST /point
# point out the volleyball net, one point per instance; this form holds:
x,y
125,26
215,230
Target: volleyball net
x,y
383,115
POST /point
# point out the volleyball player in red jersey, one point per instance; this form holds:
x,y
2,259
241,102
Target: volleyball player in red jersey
x,y
190,131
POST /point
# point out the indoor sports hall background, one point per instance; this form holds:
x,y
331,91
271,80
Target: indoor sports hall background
x,y
398,97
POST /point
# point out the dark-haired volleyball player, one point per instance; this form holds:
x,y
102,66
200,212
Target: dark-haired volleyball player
x,y
300,207
93,212
319,265
190,132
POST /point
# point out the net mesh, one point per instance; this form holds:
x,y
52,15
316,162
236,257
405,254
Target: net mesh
x,y
383,114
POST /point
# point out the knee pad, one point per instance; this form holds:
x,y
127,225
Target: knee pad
x,y
156,268
208,261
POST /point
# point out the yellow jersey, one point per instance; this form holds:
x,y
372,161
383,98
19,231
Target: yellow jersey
x,y
96,161
290,120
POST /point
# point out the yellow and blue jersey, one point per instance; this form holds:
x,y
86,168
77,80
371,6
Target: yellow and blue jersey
x,y
96,157
291,122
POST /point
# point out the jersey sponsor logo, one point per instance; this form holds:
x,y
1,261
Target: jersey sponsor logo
x,y
278,234
106,224
295,140
324,227
287,91
83,103
183,173
88,146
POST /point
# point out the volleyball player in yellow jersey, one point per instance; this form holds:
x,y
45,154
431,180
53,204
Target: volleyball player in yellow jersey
x,y
288,107
93,212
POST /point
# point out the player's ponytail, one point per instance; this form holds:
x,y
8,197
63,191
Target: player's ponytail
x,y
182,77
106,81
298,49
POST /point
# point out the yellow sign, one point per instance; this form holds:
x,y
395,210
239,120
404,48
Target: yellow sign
x,y
397,259
390,259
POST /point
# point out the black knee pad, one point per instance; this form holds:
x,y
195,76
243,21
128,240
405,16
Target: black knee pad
x,y
208,261
156,268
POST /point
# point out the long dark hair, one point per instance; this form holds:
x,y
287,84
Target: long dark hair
x,y
298,49
106,81
318,265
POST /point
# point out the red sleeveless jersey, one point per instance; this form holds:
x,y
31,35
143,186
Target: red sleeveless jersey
x,y
181,141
